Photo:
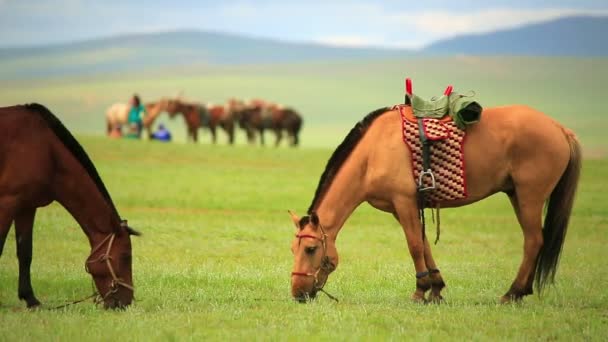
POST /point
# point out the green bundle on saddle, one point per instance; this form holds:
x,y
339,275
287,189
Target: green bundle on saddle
x,y
461,108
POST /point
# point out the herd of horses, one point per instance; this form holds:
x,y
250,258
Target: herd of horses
x,y
254,117
515,150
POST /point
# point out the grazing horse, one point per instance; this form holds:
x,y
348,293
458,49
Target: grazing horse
x,y
41,162
117,115
259,116
210,116
513,149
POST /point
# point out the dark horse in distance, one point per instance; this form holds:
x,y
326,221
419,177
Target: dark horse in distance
x,y
259,116
41,162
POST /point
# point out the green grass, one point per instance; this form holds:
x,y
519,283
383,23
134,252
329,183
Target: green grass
x,y
214,260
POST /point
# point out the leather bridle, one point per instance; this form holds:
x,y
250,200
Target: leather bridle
x,y
116,281
325,264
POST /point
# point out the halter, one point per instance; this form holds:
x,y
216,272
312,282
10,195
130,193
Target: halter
x,y
325,264
116,282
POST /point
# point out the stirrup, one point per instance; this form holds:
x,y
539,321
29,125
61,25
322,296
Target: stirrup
x,y
427,173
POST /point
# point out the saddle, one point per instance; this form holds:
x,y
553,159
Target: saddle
x,y
460,108
439,123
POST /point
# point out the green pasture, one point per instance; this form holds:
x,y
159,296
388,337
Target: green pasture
x,y
214,259
332,96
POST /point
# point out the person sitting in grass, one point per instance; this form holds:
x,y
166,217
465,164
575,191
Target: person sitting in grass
x,y
135,119
161,134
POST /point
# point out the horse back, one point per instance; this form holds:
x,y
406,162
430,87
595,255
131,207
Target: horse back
x,y
511,146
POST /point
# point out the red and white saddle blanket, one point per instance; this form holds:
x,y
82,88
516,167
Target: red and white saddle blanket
x,y
447,155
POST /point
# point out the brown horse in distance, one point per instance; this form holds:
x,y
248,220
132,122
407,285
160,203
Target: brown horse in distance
x,y
41,162
515,150
259,116
197,115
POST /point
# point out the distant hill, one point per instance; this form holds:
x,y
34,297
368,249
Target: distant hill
x,y
169,49
572,36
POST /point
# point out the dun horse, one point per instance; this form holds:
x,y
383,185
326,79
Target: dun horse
x,y
260,116
40,162
198,115
514,149
117,115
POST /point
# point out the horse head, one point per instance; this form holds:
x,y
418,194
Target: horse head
x,y
110,266
315,257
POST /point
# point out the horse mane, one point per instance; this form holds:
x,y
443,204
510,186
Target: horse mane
x,y
342,152
74,147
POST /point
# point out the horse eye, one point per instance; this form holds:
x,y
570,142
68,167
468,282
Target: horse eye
x,y
310,250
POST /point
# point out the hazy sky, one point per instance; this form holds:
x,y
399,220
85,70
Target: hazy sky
x,y
381,23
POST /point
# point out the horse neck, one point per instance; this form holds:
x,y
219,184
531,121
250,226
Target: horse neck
x,y
76,191
343,195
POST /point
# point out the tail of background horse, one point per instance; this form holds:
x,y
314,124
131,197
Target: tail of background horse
x,y
558,210
293,125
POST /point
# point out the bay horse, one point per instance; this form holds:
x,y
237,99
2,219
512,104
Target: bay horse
x,y
513,149
198,115
117,115
41,162
259,116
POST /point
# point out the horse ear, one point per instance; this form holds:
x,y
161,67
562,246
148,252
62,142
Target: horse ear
x,y
295,219
132,231
314,219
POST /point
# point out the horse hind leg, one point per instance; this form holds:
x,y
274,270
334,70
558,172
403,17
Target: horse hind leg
x,y
24,223
529,215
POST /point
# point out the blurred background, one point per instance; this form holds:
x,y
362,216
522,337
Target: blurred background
x,y
332,61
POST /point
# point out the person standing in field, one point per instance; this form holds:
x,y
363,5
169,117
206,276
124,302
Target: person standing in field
x,y
137,113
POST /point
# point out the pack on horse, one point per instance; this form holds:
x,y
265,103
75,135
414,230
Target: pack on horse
x,y
260,115
512,149
117,115
197,115
41,162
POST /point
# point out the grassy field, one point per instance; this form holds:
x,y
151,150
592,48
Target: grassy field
x,y
214,260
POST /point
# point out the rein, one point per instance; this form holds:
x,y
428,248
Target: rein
x,y
116,282
325,264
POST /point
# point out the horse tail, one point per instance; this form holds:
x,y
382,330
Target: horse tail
x,y
558,211
296,125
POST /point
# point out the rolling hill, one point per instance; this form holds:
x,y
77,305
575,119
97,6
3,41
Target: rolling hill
x,y
572,36
168,49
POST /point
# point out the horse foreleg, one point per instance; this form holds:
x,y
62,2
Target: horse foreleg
x,y
229,128
24,223
213,130
437,283
261,130
6,218
529,215
408,218
279,135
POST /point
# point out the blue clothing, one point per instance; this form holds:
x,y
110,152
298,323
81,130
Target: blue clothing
x,y
162,134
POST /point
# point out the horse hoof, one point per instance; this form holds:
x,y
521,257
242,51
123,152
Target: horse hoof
x,y
33,304
510,300
418,299
438,299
